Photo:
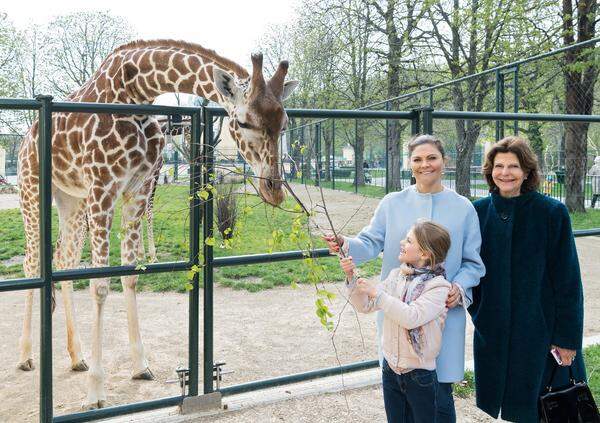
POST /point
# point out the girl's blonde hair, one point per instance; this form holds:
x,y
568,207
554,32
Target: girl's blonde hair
x,y
433,239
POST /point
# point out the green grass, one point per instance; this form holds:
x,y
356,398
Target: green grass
x,y
171,229
172,240
466,388
588,220
591,356
366,190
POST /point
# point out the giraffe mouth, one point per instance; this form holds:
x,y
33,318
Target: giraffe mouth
x,y
272,191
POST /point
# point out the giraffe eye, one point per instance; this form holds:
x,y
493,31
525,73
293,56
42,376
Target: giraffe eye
x,y
243,125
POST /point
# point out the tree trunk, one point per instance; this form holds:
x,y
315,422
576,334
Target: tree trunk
x,y
463,152
575,164
534,133
326,136
580,76
394,164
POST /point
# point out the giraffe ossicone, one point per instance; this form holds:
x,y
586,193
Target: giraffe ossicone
x,y
98,158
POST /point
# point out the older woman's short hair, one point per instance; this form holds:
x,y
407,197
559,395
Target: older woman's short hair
x,y
527,159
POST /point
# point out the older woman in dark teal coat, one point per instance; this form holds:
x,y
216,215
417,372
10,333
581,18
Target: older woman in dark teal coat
x,y
530,299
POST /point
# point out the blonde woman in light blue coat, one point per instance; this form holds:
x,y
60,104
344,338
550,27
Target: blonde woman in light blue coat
x,y
394,216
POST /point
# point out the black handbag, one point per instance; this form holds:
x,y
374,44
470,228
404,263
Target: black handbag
x,y
573,403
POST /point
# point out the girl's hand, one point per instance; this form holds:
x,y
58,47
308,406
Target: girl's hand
x,y
365,287
348,266
333,243
566,356
453,296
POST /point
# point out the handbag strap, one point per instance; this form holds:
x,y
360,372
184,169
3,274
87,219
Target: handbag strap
x,y
556,366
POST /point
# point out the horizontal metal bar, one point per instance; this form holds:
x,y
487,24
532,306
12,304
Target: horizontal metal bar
x,y
268,258
586,232
128,109
538,117
19,284
330,113
19,104
298,377
105,272
492,70
119,410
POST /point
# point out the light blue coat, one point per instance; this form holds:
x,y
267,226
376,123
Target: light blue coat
x,y
392,220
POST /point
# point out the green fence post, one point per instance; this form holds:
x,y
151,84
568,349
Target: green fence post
x,y
45,204
516,98
428,120
388,107
333,153
499,104
415,129
208,254
318,163
356,156
194,294
302,170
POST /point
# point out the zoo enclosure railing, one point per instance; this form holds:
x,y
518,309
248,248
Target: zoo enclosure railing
x,y
201,170
534,84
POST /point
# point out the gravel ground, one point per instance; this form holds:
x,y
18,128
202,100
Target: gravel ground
x,y
259,335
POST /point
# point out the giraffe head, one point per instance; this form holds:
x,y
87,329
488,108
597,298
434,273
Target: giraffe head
x,y
257,118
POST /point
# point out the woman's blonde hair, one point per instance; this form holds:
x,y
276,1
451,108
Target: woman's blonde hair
x,y
433,239
418,140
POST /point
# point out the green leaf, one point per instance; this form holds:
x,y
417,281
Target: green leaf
x,y
140,267
210,241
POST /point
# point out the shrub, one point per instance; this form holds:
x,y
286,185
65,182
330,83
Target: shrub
x,y
226,211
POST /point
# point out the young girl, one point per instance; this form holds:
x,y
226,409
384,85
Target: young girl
x,y
413,301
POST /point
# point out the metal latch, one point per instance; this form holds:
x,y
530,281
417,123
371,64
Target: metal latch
x,y
218,373
183,378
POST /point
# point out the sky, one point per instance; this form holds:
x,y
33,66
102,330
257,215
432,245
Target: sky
x,y
231,27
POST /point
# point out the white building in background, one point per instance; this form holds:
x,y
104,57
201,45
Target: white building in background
x,y
348,153
2,162
226,148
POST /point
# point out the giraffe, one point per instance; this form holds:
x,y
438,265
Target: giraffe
x,y
97,158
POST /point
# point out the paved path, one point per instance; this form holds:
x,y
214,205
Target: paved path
x,y
9,201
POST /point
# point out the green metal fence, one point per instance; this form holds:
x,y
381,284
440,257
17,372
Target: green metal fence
x,y
201,171
533,85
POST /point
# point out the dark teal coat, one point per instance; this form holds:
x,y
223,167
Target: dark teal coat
x,y
530,298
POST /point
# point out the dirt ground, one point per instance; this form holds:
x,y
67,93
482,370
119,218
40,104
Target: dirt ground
x,y
259,335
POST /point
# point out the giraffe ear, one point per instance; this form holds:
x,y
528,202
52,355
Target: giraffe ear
x,y
288,88
225,84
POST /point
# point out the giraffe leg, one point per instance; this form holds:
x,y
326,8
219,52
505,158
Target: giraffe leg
x,y
131,227
31,265
96,395
72,215
25,355
100,222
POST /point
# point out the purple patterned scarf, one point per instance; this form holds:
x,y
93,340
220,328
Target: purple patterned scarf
x,y
416,277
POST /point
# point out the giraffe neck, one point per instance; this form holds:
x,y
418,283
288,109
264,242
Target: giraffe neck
x,y
140,72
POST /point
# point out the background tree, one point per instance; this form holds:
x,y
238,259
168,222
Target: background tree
x,y
468,35
398,22
10,42
581,72
76,44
